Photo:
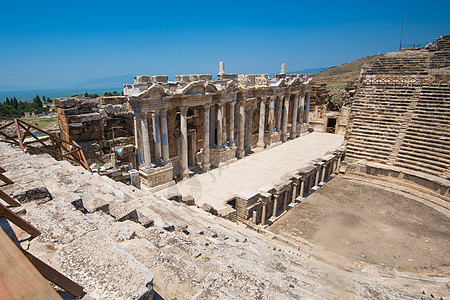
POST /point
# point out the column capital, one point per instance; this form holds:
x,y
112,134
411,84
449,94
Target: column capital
x,y
208,105
163,112
232,103
183,110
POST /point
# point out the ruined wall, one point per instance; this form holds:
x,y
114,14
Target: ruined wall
x,y
91,122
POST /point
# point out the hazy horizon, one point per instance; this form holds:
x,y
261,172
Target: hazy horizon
x,y
49,44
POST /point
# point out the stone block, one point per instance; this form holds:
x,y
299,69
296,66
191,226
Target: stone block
x,y
104,269
123,211
93,204
65,103
188,200
208,208
120,231
145,219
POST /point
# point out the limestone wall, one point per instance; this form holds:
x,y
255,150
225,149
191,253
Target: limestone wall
x,y
92,121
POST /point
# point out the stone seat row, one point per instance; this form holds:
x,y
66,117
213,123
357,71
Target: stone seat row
x,y
422,138
418,166
414,150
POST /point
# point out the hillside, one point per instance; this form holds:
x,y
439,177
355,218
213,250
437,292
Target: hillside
x,y
343,73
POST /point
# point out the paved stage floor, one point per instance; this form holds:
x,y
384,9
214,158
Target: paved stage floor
x,y
255,171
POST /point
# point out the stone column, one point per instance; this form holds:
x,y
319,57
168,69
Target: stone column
x,y
219,125
221,68
231,126
254,216
280,113
338,164
333,166
307,107
319,167
302,188
271,120
294,117
138,138
224,125
285,199
212,131
294,192
184,142
262,117
164,136
146,142
205,164
263,214
156,136
302,109
240,151
275,204
285,119
324,170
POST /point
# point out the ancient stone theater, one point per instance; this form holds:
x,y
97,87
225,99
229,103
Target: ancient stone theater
x,y
241,186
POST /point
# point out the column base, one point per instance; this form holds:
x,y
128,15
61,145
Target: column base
x,y
206,167
219,157
152,177
186,174
240,153
272,139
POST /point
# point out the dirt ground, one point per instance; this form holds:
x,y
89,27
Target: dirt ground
x,y
365,222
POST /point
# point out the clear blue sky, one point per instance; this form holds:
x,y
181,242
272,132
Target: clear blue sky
x,y
50,44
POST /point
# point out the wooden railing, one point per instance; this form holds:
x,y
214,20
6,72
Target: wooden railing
x,y
17,132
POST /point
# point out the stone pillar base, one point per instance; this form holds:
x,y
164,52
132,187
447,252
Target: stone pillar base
x,y
219,157
240,153
206,167
272,139
302,129
152,177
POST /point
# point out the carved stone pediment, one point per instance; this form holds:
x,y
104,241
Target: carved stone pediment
x,y
155,92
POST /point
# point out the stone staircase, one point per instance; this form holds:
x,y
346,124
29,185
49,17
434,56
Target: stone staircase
x,y
377,116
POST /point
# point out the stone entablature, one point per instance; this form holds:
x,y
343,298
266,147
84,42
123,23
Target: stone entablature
x,y
221,119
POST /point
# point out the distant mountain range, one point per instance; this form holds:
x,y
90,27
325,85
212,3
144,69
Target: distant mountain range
x,y
97,86
308,71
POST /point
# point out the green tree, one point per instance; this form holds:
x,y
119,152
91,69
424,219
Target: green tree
x,y
15,103
37,103
7,102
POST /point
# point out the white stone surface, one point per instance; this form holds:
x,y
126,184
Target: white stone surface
x,y
255,171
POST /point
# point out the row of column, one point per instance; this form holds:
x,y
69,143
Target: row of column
x,y
160,137
217,120
303,185
282,120
160,130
